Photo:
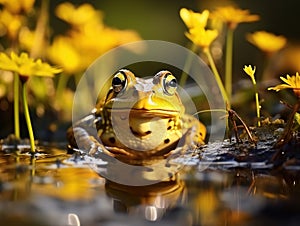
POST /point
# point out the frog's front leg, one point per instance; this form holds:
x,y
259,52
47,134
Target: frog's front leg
x,y
84,135
196,132
87,124
87,143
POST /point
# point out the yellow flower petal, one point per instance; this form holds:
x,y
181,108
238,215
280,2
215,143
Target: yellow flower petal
x,y
289,80
233,16
88,37
17,6
266,42
6,63
250,71
279,87
26,38
78,16
44,69
202,37
193,19
10,23
63,53
293,82
26,66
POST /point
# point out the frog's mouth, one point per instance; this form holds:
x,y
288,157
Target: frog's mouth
x,y
134,112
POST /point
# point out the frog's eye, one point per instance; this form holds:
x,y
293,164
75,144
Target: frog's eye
x,y
169,84
119,82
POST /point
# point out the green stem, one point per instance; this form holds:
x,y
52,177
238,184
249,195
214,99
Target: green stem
x,y
257,103
187,65
27,117
210,110
41,29
217,77
16,106
287,133
228,62
61,85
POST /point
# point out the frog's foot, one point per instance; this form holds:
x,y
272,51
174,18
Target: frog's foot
x,y
81,139
195,136
119,152
140,158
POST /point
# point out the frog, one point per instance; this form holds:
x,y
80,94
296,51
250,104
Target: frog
x,y
140,119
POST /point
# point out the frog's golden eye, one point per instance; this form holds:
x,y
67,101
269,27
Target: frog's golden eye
x,y
169,84
119,82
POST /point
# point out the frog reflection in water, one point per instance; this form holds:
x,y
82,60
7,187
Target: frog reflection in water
x,y
142,119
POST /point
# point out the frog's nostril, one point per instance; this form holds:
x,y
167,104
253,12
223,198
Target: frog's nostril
x,y
112,140
133,132
140,133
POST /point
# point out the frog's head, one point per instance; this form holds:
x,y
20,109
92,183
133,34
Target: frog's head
x,y
142,114
145,97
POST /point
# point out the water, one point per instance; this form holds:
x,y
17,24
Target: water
x,y
221,184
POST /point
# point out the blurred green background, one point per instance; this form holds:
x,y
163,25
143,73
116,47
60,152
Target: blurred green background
x,y
160,20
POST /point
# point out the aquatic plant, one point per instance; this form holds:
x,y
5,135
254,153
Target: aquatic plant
x,y
251,71
25,67
231,17
202,34
202,37
291,82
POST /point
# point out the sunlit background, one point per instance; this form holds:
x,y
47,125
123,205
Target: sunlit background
x,y
126,21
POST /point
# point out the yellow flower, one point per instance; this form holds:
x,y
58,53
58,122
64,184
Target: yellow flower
x,y
93,41
202,37
196,23
78,16
26,38
233,16
63,53
292,82
88,37
267,42
193,19
10,24
26,66
18,6
250,71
